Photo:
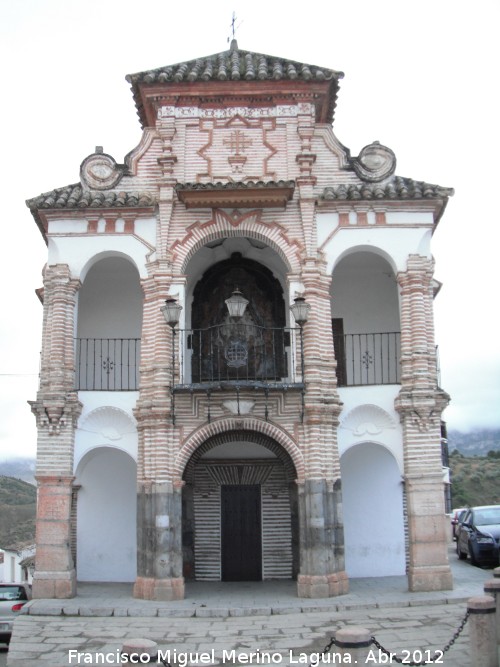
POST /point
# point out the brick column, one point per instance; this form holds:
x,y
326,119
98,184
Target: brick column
x,y
159,520
420,404
57,410
55,575
322,568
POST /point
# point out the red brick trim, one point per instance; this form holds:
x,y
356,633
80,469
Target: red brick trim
x,y
252,429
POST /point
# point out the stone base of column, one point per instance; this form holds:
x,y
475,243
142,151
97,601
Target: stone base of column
x,y
54,585
430,578
323,586
149,588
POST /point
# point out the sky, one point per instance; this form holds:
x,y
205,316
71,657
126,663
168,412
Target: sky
x,y
421,78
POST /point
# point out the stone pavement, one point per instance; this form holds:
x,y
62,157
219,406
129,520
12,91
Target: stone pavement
x,y
224,623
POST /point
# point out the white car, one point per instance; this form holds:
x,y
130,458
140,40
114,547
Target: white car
x,y
13,597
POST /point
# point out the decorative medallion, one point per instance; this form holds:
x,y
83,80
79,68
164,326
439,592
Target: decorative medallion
x,y
374,163
237,149
100,172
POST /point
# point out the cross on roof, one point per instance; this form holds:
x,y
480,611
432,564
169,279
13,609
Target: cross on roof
x,y
234,27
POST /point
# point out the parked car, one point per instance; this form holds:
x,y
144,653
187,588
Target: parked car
x,y
456,517
13,597
479,535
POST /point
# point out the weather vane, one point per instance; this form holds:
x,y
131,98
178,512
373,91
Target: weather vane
x,y
234,27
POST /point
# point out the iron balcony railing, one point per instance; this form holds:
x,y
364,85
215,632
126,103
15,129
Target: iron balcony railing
x,y
107,364
239,354
368,358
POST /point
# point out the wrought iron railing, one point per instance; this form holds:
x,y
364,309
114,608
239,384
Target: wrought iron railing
x,y
235,353
107,364
368,358
242,354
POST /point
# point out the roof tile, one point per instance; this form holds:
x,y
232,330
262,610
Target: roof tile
x,y
74,196
398,188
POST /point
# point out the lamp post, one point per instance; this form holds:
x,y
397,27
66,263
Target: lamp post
x,y
172,312
300,311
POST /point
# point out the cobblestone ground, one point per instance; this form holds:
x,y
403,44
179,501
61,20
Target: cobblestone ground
x,y
289,638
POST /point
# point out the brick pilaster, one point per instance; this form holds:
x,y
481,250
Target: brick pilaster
x,y
420,404
322,402
56,409
167,161
322,567
159,557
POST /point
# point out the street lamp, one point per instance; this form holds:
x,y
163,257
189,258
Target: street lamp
x,y
300,311
172,312
236,304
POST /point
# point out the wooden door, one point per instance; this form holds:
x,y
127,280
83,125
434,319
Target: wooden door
x,y
241,542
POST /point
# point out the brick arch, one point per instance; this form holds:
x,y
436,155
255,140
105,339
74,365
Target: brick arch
x,y
251,430
248,225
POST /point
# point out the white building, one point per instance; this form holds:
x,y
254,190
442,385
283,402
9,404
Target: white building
x,y
17,564
264,446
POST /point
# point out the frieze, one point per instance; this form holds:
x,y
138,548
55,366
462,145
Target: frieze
x,y
284,110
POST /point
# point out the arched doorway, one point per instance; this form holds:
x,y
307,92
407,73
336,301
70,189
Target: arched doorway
x,y
106,516
372,496
240,510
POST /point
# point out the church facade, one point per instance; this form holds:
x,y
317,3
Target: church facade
x,y
238,376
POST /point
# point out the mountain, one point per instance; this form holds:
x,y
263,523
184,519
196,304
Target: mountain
x,y
19,468
17,512
475,443
474,480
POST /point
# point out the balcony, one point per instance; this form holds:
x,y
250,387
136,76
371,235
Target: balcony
x,y
238,355
368,359
107,364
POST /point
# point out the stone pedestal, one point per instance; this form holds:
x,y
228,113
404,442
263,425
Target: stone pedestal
x,y
55,575
159,542
322,572
428,568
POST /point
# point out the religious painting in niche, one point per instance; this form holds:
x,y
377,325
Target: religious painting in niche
x,y
253,348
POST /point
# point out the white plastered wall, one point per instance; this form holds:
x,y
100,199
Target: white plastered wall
x,y
395,243
81,251
372,494
106,517
106,420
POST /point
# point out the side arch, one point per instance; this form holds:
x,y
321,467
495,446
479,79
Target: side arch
x,y
376,250
107,254
373,508
106,534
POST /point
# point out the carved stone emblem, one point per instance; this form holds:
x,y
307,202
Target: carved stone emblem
x,y
100,172
374,163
